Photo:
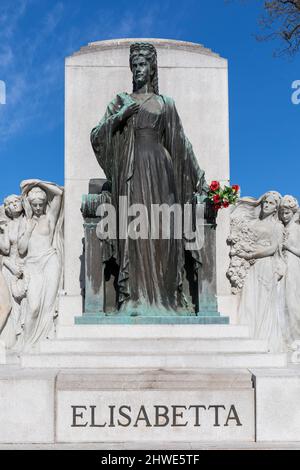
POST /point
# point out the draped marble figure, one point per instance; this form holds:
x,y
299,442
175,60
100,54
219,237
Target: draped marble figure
x,y
13,265
41,240
256,240
289,215
5,300
141,146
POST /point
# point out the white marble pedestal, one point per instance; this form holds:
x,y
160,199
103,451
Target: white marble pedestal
x,y
149,409
155,406
158,387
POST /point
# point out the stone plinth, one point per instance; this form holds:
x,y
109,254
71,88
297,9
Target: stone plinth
x,y
100,271
155,406
26,405
38,407
193,319
278,404
70,406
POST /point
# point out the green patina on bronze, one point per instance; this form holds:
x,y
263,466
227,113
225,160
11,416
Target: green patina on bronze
x,y
141,146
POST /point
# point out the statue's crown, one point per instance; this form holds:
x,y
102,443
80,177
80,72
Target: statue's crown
x,y
142,48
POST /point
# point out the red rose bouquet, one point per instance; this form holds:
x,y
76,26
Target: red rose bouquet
x,y
223,196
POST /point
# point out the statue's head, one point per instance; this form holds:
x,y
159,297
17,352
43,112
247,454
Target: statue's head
x,y
143,64
13,206
37,198
270,202
288,208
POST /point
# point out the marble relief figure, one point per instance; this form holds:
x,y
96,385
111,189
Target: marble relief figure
x,y
5,300
257,267
141,146
40,240
289,215
13,270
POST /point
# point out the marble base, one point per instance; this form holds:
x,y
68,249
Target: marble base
x,y
172,408
49,407
155,406
278,404
27,405
161,385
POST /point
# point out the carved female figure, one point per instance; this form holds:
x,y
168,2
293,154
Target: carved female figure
x,y
5,301
141,146
289,214
41,241
13,270
261,303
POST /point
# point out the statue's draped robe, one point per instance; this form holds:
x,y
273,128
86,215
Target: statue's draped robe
x,y
261,299
292,284
149,160
43,276
5,299
14,325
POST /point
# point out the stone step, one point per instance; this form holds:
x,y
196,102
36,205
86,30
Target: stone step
x,y
140,360
152,331
153,345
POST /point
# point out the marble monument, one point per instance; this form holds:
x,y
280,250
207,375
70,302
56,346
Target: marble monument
x,y
217,359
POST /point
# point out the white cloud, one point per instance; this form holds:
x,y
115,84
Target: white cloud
x,y
29,81
52,19
10,14
6,55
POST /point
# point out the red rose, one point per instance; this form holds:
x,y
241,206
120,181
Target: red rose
x,y
216,198
235,188
225,204
217,207
214,185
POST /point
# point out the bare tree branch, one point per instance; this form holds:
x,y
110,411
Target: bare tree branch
x,y
282,17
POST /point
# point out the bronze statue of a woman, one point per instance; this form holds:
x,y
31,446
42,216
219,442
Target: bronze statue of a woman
x,y
141,146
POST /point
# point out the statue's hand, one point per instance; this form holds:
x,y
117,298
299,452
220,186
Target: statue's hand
x,y
249,256
245,255
128,110
30,183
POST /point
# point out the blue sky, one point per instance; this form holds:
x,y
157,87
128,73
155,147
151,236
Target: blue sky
x,y
36,36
